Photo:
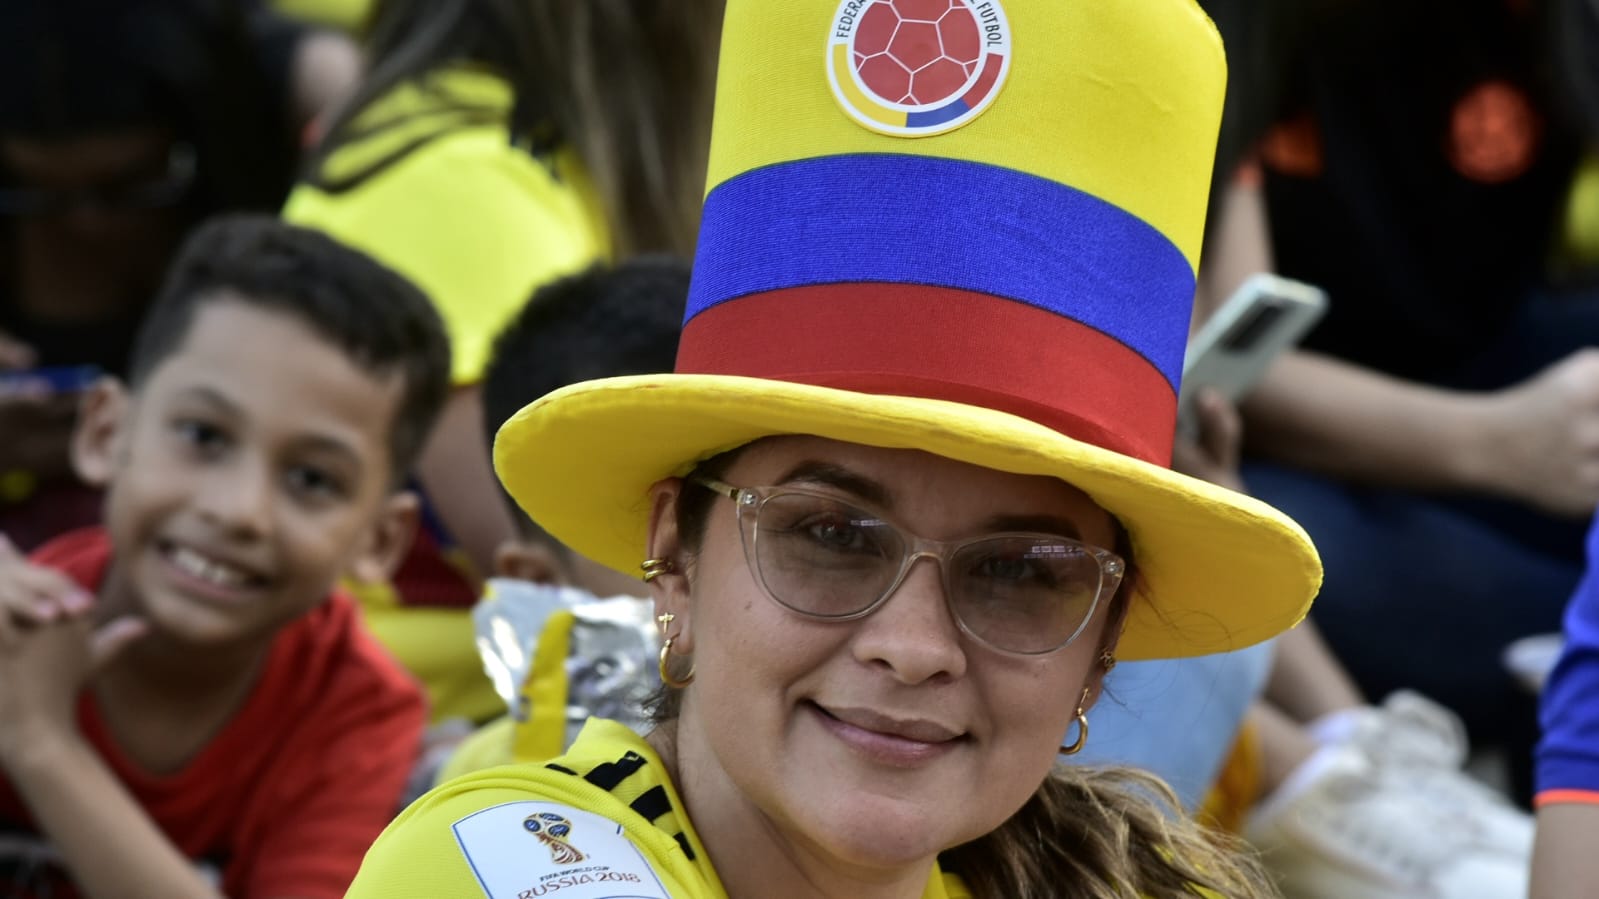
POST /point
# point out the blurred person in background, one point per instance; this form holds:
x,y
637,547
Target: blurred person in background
x,y
1439,434
496,146
122,124
1565,865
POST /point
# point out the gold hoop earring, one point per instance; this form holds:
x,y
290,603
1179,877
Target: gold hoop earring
x,y
666,676
654,568
1082,727
1107,661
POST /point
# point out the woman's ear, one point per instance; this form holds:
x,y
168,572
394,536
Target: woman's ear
x,y
388,539
1105,660
670,589
99,439
1095,680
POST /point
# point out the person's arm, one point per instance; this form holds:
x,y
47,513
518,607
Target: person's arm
x,y
48,647
1565,863
1537,442
107,841
459,481
1307,681
1327,415
1317,412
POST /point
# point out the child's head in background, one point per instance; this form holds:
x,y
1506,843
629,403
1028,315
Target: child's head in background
x,y
606,322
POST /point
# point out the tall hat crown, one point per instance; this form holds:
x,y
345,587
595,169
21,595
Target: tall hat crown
x,y
1032,251
964,226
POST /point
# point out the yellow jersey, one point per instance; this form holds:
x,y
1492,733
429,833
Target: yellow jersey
x,y
601,821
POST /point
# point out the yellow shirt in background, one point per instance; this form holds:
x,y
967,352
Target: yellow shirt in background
x,y
345,15
473,220
1580,232
602,819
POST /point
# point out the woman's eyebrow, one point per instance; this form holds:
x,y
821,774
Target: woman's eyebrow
x,y
831,475
1048,524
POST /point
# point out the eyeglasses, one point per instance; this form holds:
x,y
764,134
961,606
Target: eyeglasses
x,y
161,191
821,557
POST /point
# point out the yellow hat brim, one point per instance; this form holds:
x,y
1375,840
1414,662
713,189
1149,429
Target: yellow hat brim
x,y
1217,570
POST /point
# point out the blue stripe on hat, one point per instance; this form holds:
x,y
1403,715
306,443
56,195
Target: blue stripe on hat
x,y
949,223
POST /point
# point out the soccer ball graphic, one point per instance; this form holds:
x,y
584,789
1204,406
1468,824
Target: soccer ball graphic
x,y
917,52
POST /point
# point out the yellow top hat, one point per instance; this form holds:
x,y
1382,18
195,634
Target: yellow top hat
x,y
968,227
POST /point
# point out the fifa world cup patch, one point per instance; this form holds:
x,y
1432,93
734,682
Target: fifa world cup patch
x,y
913,68
525,850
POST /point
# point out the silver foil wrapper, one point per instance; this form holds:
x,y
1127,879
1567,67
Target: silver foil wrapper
x,y
611,658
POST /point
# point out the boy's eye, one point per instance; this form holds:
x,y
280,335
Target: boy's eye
x,y
314,482
199,433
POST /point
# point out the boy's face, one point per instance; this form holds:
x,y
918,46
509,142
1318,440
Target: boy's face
x,y
248,473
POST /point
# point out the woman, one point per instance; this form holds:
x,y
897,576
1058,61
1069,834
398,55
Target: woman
x,y
957,350
494,147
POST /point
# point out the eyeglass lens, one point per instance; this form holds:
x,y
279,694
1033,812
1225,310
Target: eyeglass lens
x,y
1025,593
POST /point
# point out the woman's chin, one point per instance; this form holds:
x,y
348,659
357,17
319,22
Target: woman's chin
x,y
874,832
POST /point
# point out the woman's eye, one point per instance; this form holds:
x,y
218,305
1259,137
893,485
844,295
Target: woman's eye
x,y
838,533
1013,569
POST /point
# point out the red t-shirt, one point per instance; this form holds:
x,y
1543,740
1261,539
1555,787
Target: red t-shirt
x,y
287,798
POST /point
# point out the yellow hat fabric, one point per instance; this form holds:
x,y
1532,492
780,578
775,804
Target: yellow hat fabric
x,y
968,227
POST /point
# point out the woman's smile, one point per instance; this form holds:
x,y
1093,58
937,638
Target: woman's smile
x,y
890,740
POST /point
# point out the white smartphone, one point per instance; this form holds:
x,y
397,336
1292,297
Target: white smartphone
x,y
1265,316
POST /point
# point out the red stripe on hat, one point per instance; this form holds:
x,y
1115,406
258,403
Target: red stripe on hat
x,y
943,343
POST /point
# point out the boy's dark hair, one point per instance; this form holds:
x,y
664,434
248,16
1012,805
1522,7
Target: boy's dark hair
x,y
602,323
377,317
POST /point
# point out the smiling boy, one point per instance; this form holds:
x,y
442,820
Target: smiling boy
x,y
190,706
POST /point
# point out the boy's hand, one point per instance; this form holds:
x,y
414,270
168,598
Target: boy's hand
x,y
31,596
48,648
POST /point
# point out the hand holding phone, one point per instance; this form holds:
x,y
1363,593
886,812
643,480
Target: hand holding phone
x,y
1265,316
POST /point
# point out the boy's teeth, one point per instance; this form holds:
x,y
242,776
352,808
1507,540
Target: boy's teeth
x,y
206,569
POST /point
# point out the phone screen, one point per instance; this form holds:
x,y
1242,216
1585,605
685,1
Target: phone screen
x,y
1249,329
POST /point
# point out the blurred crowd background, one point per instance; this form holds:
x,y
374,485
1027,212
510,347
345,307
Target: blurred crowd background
x,y
1430,164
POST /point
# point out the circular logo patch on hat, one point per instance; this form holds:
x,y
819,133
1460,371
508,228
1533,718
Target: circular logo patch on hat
x,y
914,68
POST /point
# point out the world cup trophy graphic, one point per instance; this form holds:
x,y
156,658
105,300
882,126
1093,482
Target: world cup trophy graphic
x,y
553,830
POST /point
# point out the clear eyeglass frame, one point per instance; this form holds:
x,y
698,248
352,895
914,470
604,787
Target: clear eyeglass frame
x,y
750,500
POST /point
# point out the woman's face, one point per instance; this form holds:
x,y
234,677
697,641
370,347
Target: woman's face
x,y
881,741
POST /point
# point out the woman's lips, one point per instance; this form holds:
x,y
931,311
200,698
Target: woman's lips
x,y
900,742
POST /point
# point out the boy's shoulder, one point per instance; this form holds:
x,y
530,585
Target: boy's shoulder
x,y
334,659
